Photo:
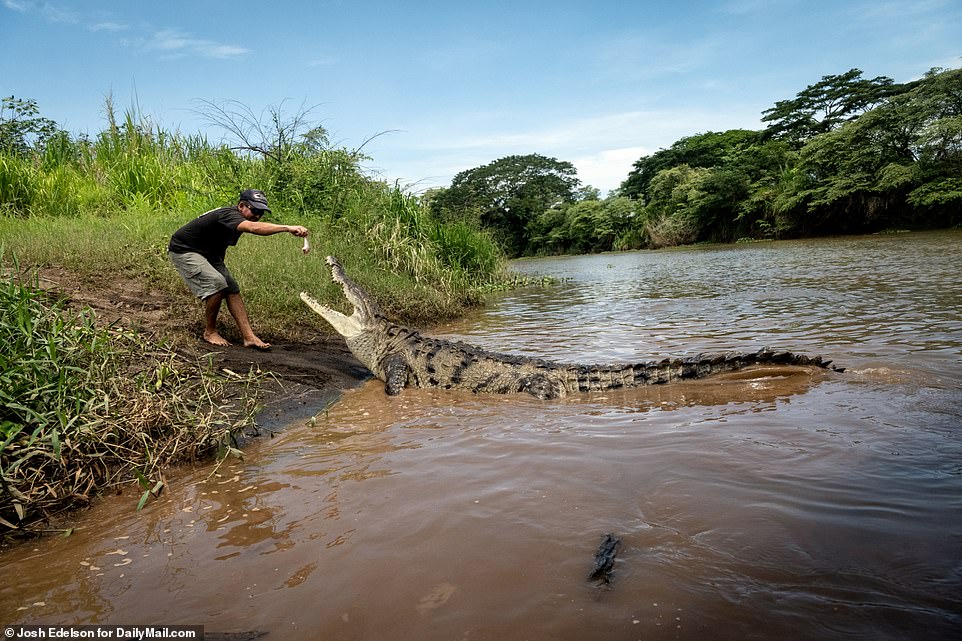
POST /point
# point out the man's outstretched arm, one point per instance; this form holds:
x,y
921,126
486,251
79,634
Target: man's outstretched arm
x,y
268,229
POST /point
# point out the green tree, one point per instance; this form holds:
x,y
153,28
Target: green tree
x,y
772,203
701,150
586,226
899,163
507,195
826,105
938,145
673,214
22,128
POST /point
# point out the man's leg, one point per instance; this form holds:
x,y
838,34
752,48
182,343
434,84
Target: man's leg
x,y
235,304
211,310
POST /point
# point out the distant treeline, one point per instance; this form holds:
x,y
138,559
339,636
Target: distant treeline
x,y
845,155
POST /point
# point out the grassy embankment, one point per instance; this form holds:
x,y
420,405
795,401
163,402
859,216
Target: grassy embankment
x,y
86,406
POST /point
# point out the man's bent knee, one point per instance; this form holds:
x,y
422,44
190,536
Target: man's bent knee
x,y
203,278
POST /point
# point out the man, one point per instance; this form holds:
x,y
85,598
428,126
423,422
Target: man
x,y
198,249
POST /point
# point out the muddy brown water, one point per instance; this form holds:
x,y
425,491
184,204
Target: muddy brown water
x,y
784,504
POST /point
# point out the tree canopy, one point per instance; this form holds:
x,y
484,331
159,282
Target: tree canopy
x,y
507,195
827,104
701,150
847,154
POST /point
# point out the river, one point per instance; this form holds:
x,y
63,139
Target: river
x,y
789,504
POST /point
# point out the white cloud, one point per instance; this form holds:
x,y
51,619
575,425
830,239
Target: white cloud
x,y
753,7
323,62
17,5
608,168
602,148
650,129
52,12
170,42
108,26
643,56
173,44
569,133
894,11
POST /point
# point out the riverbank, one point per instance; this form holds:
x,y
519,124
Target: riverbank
x,y
198,400
313,356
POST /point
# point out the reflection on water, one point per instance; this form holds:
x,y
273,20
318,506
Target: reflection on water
x,y
875,297
789,503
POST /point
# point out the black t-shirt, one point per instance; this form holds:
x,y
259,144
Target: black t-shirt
x,y
209,234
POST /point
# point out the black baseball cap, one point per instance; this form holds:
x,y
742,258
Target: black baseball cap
x,y
256,198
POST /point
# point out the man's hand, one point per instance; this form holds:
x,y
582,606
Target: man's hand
x,y
300,232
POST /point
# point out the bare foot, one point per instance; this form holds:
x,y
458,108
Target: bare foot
x,y
216,339
257,343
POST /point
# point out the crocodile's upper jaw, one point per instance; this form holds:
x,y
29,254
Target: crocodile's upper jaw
x,y
366,311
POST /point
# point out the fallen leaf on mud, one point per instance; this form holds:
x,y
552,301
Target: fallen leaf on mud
x,y
118,552
124,562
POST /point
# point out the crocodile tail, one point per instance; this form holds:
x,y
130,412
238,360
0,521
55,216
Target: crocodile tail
x,y
588,378
702,366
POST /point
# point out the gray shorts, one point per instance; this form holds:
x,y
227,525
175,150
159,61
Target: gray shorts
x,y
203,277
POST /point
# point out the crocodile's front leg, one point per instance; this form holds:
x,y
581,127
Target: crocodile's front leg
x,y
395,374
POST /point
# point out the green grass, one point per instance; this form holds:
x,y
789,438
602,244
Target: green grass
x,y
418,278
84,407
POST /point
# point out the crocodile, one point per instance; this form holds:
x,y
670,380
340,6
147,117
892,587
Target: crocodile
x,y
605,559
402,356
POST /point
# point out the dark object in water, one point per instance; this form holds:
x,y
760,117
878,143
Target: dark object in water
x,y
605,559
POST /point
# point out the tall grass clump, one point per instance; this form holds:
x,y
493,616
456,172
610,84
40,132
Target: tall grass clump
x,y
84,407
404,233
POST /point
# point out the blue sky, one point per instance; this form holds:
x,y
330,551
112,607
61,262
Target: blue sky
x,y
456,85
